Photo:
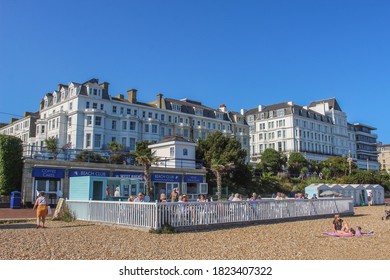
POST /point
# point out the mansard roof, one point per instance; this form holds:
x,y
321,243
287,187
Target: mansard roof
x,y
333,104
272,107
189,106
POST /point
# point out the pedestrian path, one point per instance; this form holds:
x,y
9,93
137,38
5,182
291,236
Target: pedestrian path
x,y
14,214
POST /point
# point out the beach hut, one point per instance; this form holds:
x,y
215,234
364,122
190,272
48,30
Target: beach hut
x,y
377,191
316,189
102,188
347,190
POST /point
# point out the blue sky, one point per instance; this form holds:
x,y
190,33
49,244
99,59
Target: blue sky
x,y
238,53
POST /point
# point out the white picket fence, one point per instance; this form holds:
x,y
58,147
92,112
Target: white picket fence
x,y
194,214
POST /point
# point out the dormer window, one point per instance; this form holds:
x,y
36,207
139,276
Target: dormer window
x,y
63,93
176,107
54,98
198,112
219,115
280,112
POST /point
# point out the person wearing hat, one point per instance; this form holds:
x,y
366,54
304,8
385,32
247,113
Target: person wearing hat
x,y
314,196
185,198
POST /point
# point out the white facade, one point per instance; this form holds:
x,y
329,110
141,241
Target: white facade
x,y
289,128
384,156
85,116
319,131
174,152
24,129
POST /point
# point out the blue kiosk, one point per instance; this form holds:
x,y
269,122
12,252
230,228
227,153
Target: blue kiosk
x,y
102,188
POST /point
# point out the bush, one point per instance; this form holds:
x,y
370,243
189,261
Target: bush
x,y
67,215
10,164
166,229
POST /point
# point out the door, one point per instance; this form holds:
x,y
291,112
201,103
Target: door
x,y
97,190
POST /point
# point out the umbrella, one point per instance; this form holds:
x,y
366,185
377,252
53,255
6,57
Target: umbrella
x,y
330,193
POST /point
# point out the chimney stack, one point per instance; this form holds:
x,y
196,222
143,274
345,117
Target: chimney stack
x,y
132,95
159,100
104,85
222,108
260,108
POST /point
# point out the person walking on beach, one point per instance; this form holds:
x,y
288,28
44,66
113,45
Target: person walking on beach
x,y
41,205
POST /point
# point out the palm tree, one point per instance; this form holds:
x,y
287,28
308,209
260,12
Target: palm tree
x,y
145,157
52,146
218,167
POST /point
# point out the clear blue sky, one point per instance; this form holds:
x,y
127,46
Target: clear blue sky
x,y
240,53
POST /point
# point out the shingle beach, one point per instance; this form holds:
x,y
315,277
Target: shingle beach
x,y
293,240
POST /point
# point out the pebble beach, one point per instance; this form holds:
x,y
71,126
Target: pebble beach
x,y
291,240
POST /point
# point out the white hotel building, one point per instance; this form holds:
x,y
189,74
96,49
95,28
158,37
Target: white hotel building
x,y
84,116
319,131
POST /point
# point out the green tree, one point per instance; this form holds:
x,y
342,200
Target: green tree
x,y
89,156
338,166
113,146
145,157
116,155
11,152
303,172
220,154
359,177
272,161
296,162
326,173
241,179
383,179
52,146
270,184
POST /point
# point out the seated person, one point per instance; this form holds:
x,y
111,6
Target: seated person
x,y
339,226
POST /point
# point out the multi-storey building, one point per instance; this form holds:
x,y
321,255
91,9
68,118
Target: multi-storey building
x,y
24,128
366,147
384,156
319,131
287,127
85,116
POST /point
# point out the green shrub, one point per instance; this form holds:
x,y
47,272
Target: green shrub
x,y
165,229
67,215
